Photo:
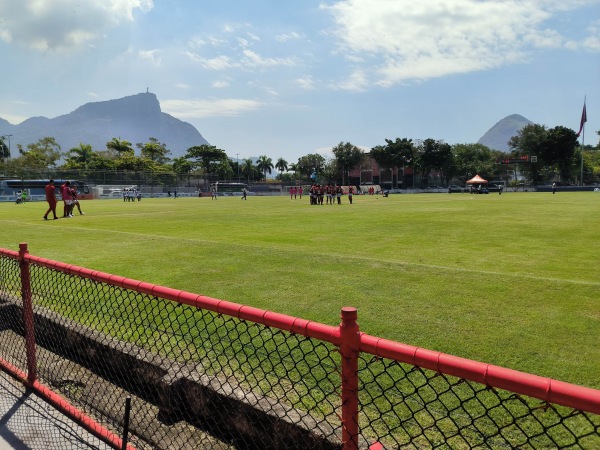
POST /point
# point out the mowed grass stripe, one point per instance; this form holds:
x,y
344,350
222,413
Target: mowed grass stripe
x,y
262,248
509,280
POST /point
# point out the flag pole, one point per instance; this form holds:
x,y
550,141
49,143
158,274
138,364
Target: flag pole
x,y
582,131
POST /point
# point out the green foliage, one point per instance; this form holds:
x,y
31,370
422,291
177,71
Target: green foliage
x,y
4,150
182,165
121,147
310,163
347,157
433,155
554,148
154,151
281,165
36,159
472,159
264,164
249,170
207,157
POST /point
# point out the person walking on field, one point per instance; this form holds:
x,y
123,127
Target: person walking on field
x,y
244,193
65,192
75,202
51,199
350,192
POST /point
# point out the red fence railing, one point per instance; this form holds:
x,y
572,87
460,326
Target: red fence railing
x,y
199,372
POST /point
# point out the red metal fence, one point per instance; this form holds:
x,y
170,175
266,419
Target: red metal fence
x,y
145,366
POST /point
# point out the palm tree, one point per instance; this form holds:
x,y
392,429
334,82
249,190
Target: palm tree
x,y
81,155
293,167
248,168
264,164
281,165
119,146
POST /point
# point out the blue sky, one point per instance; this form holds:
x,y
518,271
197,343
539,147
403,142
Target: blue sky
x,y
289,78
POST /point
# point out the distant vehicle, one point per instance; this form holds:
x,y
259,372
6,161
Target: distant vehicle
x,y
456,188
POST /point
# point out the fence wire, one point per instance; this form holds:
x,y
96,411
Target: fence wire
x,y
404,406
198,379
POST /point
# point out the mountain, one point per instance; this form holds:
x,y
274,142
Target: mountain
x,y
135,118
497,137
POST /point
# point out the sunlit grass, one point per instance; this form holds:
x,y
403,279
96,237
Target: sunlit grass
x,y
510,280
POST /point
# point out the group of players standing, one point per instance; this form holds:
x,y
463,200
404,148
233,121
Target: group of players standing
x,y
318,193
130,194
69,197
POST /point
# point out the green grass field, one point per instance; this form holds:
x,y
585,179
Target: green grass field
x,y
510,280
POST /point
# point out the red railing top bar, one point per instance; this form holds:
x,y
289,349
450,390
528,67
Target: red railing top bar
x,y
545,389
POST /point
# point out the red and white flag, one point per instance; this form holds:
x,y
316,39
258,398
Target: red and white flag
x,y
583,119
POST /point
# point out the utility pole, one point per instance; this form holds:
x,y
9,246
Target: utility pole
x,y
237,158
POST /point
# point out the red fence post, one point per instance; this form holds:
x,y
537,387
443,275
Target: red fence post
x,y
27,314
349,349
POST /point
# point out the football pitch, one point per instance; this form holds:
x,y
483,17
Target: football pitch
x,y
510,280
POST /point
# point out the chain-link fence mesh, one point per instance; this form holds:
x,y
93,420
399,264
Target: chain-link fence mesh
x,y
199,379
404,406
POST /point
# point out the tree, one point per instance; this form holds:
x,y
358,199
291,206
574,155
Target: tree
x,y
40,156
530,141
264,164
248,168
207,157
224,170
80,157
154,150
472,159
4,150
120,146
347,157
433,155
182,165
554,149
282,166
559,149
398,153
309,164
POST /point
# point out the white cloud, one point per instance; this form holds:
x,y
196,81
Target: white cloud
x,y
253,59
288,37
63,24
306,82
356,82
220,62
220,84
197,109
403,40
151,55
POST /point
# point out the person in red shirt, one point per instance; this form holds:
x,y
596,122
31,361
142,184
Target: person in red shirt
x,y
51,199
65,192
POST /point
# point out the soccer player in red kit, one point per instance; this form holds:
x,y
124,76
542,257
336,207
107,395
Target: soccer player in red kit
x,y
51,199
